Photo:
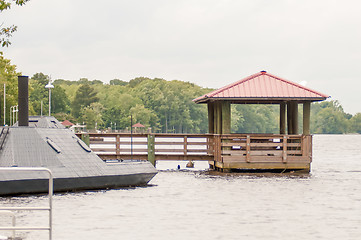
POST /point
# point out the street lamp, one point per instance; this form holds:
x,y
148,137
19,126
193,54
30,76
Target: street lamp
x,y
49,86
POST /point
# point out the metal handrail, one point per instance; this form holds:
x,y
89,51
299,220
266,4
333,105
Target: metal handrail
x,y
3,136
50,208
13,220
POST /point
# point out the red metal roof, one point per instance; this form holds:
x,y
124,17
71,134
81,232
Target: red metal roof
x,y
264,87
67,123
138,125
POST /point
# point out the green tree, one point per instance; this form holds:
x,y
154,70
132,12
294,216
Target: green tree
x,y
356,123
329,117
59,100
144,116
254,119
83,98
118,82
8,76
7,32
38,94
92,115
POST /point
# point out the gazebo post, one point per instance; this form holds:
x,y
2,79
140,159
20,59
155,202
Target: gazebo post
x,y
306,117
226,117
210,106
294,117
283,118
218,117
289,118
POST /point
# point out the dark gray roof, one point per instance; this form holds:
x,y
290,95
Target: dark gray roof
x,y
58,149
43,122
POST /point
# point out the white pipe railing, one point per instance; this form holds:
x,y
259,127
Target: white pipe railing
x,y
49,208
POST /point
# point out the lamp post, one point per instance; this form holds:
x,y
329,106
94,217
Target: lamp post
x,y
49,86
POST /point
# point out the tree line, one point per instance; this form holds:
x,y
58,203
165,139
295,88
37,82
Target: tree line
x,y
165,106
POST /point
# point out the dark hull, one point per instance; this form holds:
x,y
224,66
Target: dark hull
x,y
32,186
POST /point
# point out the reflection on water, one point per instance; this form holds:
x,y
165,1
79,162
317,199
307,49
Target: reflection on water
x,y
325,204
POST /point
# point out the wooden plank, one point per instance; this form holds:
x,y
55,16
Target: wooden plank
x,y
170,157
103,143
117,144
198,150
284,156
120,150
248,148
234,152
245,166
230,144
185,145
169,143
169,150
271,144
197,143
120,143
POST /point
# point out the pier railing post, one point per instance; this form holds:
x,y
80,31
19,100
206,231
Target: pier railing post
x,y
85,138
117,145
151,149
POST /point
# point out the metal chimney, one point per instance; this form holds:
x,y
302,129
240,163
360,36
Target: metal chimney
x,y
23,100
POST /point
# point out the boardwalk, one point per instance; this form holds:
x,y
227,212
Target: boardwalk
x,y
232,151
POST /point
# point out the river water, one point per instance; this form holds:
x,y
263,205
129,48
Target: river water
x,y
325,204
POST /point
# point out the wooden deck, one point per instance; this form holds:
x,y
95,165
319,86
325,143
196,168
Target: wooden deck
x,y
223,152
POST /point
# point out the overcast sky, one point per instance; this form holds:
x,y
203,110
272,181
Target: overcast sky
x,y
207,42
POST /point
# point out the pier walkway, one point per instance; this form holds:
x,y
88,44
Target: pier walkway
x,y
225,152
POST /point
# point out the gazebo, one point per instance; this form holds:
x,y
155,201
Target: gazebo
x,y
67,123
287,150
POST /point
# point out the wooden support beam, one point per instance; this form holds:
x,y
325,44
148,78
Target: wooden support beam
x,y
289,118
117,145
210,106
283,118
284,147
248,149
295,117
218,117
151,149
226,117
306,117
185,150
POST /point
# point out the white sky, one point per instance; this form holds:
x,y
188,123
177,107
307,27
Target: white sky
x,y
207,42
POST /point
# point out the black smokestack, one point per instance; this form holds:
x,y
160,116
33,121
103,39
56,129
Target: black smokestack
x,y
23,100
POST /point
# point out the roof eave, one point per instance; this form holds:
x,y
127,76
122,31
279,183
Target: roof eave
x,y
260,100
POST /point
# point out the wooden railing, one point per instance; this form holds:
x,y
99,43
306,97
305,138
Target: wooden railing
x,y
223,151
235,150
152,147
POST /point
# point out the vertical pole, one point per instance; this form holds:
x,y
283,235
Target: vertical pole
x,y
117,145
218,117
151,149
248,149
215,117
51,192
4,104
49,101
295,117
10,115
131,137
283,118
226,117
41,108
306,117
23,100
284,151
210,106
289,118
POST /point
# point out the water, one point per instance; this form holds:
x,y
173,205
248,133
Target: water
x,y
325,204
